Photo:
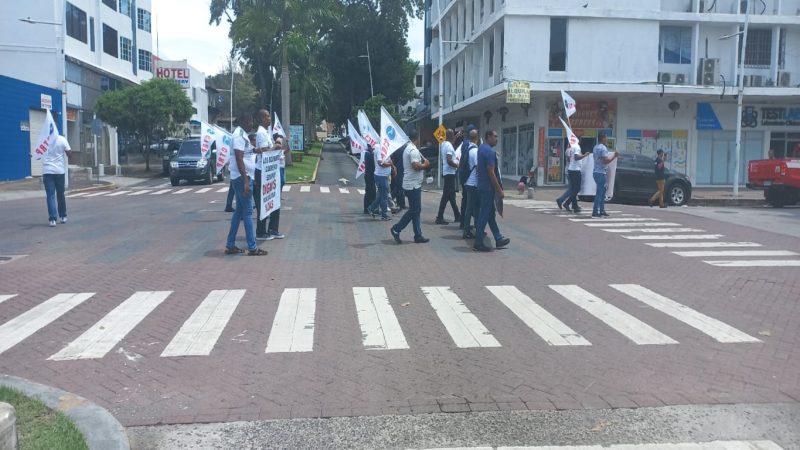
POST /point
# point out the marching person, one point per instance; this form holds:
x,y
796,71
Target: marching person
x,y
369,178
489,188
53,175
661,178
473,200
275,216
601,160
382,171
463,140
264,143
449,166
412,185
574,156
243,167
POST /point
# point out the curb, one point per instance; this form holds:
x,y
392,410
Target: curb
x,y
727,202
100,429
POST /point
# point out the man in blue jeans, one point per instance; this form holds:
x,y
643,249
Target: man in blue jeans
x,y
602,158
243,167
412,187
382,171
489,187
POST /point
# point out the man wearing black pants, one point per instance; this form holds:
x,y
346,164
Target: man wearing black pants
x,y
264,143
449,166
369,178
464,150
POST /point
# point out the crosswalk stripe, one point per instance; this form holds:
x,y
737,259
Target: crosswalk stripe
x,y
714,445
718,330
293,327
617,219
202,191
106,334
21,327
380,329
756,263
79,194
117,193
632,224
362,191
305,188
324,190
654,230
748,253
6,297
144,191
286,188
182,191
200,332
546,325
465,328
223,190
675,237
624,323
701,244
163,191
344,191
95,194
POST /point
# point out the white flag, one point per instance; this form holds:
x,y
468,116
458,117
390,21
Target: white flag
x,y
569,104
362,165
224,143
574,142
367,131
277,128
357,143
392,136
208,134
270,182
47,137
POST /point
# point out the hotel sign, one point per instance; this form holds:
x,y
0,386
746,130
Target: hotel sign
x,y
177,71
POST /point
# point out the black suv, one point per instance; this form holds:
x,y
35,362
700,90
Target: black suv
x,y
636,180
189,164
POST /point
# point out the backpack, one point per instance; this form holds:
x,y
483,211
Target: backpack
x,y
463,165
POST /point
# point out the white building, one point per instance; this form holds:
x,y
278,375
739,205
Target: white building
x,y
650,73
106,44
410,108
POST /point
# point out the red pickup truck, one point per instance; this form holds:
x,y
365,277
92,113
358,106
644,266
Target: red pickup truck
x,y
779,178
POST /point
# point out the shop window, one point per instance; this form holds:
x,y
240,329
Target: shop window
x,y
675,45
145,60
111,4
76,22
558,44
785,145
143,19
125,48
759,48
110,45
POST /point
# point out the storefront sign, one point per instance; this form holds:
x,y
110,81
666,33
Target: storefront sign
x,y
706,117
518,92
47,101
177,71
590,114
780,117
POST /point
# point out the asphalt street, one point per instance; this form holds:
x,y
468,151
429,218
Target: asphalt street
x,y
650,326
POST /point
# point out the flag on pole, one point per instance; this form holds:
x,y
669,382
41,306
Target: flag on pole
x,y
224,143
569,104
357,143
573,140
47,137
392,136
277,128
208,135
362,165
367,131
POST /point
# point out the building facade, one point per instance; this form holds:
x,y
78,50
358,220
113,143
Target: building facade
x,y
649,73
81,48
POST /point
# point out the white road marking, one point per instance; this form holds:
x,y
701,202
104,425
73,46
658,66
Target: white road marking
x,y
293,327
202,191
223,190
305,188
676,237
714,445
21,327
362,191
200,332
702,244
654,230
163,185
79,194
632,224
465,329
718,330
286,188
756,263
182,191
117,193
639,219
144,191
6,297
546,325
627,325
103,336
344,191
748,253
324,190
380,329
95,194
163,191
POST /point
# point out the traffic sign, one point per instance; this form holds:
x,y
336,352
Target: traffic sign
x,y
440,134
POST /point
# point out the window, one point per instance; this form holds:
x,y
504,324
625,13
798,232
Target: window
x,y
110,45
145,60
143,19
111,4
558,44
782,49
91,33
502,48
675,45
125,7
418,81
125,48
759,48
76,22
482,5
491,6
491,56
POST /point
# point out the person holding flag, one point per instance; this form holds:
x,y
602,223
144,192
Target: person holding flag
x,y
392,138
366,164
574,156
277,128
412,184
570,107
449,166
264,143
54,150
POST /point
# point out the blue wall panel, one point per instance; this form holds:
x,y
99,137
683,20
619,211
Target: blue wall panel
x,y
16,98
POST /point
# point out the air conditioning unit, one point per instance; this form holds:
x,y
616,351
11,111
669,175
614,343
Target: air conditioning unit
x,y
784,79
680,78
664,77
753,80
709,71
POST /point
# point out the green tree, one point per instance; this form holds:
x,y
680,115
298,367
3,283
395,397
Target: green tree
x,y
149,111
245,93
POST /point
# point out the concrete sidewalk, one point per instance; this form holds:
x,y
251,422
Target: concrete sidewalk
x,y
33,187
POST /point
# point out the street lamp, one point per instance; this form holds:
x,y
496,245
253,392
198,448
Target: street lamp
x,y
369,64
740,96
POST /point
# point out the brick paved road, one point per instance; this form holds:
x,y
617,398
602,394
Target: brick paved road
x,y
604,330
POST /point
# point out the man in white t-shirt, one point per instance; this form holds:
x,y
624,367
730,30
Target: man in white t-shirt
x,y
54,164
415,166
574,157
242,168
264,143
449,166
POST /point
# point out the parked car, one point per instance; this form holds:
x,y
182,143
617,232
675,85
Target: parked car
x,y
635,180
189,164
779,178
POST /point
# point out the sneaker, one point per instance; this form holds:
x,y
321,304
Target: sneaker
x,y
228,209
468,235
276,235
663,206
263,237
604,214
577,210
595,216
502,242
440,221
52,223
481,248
373,213
421,240
63,220
558,202
384,219
395,235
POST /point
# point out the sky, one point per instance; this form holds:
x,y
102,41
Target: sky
x,y
184,33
